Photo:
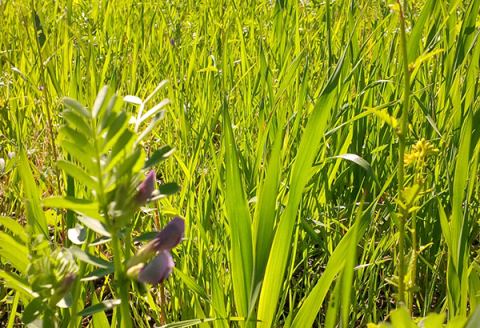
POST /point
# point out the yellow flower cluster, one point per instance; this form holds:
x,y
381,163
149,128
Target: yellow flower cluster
x,y
419,152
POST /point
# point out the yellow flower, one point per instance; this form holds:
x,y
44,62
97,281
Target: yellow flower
x,y
420,151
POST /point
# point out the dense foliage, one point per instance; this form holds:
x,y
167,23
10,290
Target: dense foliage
x,y
327,153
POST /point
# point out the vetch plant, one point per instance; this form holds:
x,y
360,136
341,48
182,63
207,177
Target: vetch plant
x,y
110,162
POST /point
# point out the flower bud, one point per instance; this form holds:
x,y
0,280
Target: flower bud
x,y
63,289
158,269
145,188
135,270
165,240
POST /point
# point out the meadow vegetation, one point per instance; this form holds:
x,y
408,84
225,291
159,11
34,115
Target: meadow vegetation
x,y
324,157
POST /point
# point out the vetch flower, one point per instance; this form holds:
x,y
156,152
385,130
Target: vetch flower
x,y
165,240
158,269
145,188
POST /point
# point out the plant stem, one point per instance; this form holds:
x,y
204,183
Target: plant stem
x,y
401,152
124,320
162,303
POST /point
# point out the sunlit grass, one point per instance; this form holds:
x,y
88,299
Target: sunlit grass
x,y
266,99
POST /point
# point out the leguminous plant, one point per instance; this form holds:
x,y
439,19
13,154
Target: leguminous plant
x,y
246,164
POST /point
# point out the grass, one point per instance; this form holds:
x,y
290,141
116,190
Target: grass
x,y
267,99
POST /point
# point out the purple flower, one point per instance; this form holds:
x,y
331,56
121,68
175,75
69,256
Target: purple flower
x,y
165,240
145,188
157,270
172,41
41,88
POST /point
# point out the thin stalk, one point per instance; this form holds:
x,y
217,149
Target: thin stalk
x,y
401,153
49,117
414,266
124,320
162,303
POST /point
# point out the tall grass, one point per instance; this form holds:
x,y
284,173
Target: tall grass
x,y
285,117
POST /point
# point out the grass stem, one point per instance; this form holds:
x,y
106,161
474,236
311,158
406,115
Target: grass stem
x,y
401,152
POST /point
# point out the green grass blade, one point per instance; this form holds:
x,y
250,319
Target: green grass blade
x,y
282,242
240,222
35,215
312,304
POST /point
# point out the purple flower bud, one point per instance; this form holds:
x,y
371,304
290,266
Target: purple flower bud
x,y
63,289
157,270
67,283
172,41
41,88
145,188
165,240
170,236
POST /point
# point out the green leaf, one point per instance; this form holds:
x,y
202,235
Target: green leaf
x,y
158,156
16,282
14,252
115,130
99,101
14,227
400,318
265,213
80,155
102,306
360,162
77,235
434,320
90,259
474,319
99,318
35,215
98,273
156,119
78,107
75,136
274,274
128,166
153,111
65,302
413,44
239,221
78,174
192,284
82,206
33,310
95,225
309,310
78,122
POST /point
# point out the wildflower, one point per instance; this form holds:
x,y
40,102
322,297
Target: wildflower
x,y
158,269
41,88
145,188
420,151
165,240
172,41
